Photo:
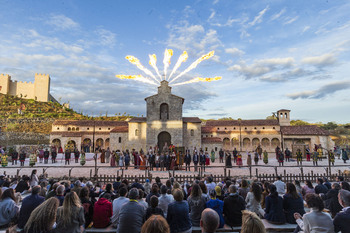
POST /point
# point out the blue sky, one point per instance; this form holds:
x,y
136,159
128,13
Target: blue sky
x,y
271,54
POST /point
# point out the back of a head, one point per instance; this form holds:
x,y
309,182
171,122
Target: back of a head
x,y
345,197
155,224
252,223
232,188
123,191
60,190
178,194
71,200
134,193
209,220
36,190
163,189
314,201
107,196
154,201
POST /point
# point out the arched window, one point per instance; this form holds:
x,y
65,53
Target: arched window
x,y
77,129
136,132
73,128
69,129
164,112
192,132
120,139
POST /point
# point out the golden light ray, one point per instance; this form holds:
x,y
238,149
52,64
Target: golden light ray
x,y
194,65
135,61
168,53
183,57
153,63
139,78
199,79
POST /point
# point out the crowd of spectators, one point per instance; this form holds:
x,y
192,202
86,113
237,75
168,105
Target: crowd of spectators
x,y
51,205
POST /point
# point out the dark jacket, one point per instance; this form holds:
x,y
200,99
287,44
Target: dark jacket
x,y
233,206
218,206
131,217
187,158
195,158
178,216
321,188
153,211
331,201
28,205
341,222
292,205
88,211
274,209
102,213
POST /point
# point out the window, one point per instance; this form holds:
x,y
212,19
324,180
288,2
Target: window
x,y
109,128
273,127
218,128
77,129
73,129
69,129
234,127
263,127
99,128
211,136
58,128
136,132
245,128
225,128
206,135
254,127
164,112
87,128
120,139
192,132
216,149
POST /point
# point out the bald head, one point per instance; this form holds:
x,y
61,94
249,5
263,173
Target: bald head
x,y
209,220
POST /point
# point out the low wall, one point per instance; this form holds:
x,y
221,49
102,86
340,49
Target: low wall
x,y
19,138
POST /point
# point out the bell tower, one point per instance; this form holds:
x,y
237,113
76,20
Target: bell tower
x,y
283,117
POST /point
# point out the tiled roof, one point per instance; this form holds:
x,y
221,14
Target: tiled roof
x,y
120,129
191,119
208,129
77,134
211,140
138,119
243,122
90,123
303,130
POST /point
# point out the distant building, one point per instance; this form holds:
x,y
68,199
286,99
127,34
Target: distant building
x,y
164,123
39,90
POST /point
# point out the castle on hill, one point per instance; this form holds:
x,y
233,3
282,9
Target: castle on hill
x,y
165,125
39,90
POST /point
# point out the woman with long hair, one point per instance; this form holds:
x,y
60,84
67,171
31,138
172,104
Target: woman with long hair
x,y
243,189
70,216
292,203
308,188
274,207
196,203
87,204
265,193
253,200
34,180
9,210
43,217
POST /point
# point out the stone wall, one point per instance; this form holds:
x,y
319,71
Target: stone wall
x,y
19,138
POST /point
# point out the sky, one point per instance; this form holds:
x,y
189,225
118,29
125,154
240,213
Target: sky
x,y
271,55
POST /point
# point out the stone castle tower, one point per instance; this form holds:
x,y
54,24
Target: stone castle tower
x,y
283,116
164,118
39,90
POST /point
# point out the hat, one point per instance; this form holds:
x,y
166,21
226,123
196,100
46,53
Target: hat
x,y
147,180
218,190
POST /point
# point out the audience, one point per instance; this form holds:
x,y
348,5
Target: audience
x,y
274,207
280,186
316,220
292,203
165,199
251,223
331,199
233,206
209,221
243,189
8,208
153,209
131,215
342,219
253,200
87,205
60,194
43,218
196,204
70,216
103,211
178,214
320,187
216,205
308,188
155,224
28,205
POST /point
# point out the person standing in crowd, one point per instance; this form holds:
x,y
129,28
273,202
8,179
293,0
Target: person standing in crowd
x,y
221,155
212,155
127,159
43,217
228,159
320,152
131,210
53,154
70,216
34,180
233,206
288,154
299,157
14,157
344,155
188,160
292,203
108,155
195,161
274,207
178,214
265,157
316,220
29,203
256,158
234,154
315,158
259,151
249,159
46,156
76,155
308,154
342,219
202,160
67,156
22,157
331,157
280,158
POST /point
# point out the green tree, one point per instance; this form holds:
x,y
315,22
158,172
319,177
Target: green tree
x,y
329,126
299,122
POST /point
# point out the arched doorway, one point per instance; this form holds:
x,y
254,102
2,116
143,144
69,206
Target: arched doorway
x,y
56,142
87,145
275,142
246,143
107,143
226,144
163,138
99,143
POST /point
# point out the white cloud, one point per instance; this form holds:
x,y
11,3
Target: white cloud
x,y
106,37
276,16
234,51
326,59
211,15
215,2
290,20
258,18
62,22
306,28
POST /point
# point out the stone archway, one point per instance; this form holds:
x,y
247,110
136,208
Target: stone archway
x,y
99,143
56,142
163,137
87,145
226,144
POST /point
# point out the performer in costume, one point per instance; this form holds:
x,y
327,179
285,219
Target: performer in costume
x,y
315,158
259,151
103,156
4,161
280,158
212,155
173,161
277,150
249,159
121,159
221,155
127,159
32,159
266,157
239,162
112,160
308,154
256,158
53,154
41,154
207,159
331,157
46,156
181,161
142,161
320,152
76,155
288,154
82,158
67,156
234,153
14,157
22,157
299,157
344,155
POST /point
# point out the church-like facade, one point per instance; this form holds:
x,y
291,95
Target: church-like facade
x,y
165,125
